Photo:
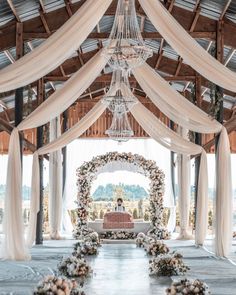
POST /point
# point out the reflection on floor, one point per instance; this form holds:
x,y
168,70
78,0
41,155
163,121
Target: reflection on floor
x,y
118,269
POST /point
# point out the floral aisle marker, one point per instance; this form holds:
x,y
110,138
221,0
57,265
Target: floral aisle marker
x,y
72,266
156,247
87,173
189,287
85,248
58,286
168,265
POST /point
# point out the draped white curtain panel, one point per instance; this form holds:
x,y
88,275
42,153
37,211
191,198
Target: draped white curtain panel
x,y
189,116
56,49
49,109
176,143
55,183
192,53
73,133
183,165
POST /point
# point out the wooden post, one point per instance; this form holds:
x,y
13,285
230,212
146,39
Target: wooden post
x,y
172,165
64,150
39,226
198,140
19,98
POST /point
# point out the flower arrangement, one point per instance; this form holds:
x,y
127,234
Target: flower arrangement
x,y
74,267
159,233
93,237
58,286
140,240
118,235
87,173
85,248
168,265
156,247
190,287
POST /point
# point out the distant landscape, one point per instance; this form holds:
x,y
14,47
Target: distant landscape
x,y
25,192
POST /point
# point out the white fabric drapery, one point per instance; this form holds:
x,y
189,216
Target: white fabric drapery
x,y
224,199
13,246
70,135
49,109
56,49
55,183
172,103
184,190
174,142
187,47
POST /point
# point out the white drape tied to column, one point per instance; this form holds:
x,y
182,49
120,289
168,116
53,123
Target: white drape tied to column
x,y
49,109
77,130
184,190
13,246
192,52
189,116
202,202
174,142
56,49
55,183
224,199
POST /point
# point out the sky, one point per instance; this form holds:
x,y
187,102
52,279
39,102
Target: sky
x,y
88,150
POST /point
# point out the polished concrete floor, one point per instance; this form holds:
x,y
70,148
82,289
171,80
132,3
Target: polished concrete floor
x,y
118,269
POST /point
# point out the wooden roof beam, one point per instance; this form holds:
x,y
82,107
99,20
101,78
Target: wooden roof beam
x,y
13,9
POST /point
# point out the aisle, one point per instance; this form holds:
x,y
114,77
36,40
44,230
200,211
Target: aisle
x,y
118,269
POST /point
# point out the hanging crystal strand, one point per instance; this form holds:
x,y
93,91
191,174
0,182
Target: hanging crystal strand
x,y
120,129
119,98
126,48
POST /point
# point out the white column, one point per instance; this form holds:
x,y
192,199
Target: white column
x,y
184,191
55,184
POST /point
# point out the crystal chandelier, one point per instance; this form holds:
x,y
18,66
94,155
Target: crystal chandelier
x,y
119,98
126,48
120,129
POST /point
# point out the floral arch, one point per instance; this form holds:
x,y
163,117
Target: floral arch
x,y
89,171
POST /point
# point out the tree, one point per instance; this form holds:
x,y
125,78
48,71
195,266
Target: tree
x,y
146,216
135,213
101,214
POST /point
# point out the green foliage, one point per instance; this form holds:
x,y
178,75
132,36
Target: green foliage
x,y
146,216
101,214
107,193
135,213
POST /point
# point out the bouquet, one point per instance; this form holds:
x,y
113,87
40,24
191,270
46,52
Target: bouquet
x,y
159,233
74,267
85,248
93,237
191,287
140,240
168,265
156,248
51,285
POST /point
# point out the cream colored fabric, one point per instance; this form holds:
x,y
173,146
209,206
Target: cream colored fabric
x,y
162,134
224,197
173,141
64,97
13,246
172,103
184,190
202,203
55,183
52,107
67,137
192,53
56,49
